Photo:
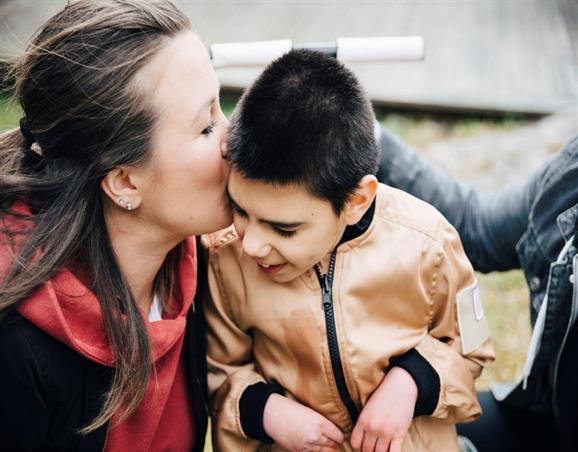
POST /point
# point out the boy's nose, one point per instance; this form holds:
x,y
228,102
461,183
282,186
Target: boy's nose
x,y
254,247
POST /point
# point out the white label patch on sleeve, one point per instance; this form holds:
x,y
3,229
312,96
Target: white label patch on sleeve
x,y
473,325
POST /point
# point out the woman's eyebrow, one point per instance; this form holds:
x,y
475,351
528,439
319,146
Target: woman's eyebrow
x,y
203,107
208,103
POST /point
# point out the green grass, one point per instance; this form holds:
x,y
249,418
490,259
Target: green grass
x,y
10,113
421,130
505,297
228,102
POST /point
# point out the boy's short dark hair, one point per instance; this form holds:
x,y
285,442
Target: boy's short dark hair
x,y
306,120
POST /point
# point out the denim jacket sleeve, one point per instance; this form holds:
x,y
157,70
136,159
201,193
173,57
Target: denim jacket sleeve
x,y
490,225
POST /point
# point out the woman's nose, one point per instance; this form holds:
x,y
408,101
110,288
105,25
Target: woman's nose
x,y
224,150
225,138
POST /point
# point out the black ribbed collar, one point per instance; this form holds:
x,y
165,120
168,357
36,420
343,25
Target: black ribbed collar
x,y
355,230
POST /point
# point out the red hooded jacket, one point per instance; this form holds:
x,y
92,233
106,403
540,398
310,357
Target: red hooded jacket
x,y
69,312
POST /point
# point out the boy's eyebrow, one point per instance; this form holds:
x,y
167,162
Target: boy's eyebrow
x,y
281,224
274,223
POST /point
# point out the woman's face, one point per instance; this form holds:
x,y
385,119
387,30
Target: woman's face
x,y
182,186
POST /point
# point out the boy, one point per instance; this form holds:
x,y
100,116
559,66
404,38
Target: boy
x,y
336,304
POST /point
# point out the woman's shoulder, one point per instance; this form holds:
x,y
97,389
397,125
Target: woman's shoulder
x,y
18,336
47,389
24,344
32,353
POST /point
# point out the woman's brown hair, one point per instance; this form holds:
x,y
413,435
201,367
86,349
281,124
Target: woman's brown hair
x,y
76,86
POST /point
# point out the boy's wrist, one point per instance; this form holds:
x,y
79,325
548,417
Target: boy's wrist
x,y
252,409
269,413
425,377
405,382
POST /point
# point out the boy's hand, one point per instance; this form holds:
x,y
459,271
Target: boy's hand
x,y
297,427
387,415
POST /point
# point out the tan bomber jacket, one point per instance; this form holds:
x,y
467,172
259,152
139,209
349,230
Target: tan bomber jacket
x,y
405,283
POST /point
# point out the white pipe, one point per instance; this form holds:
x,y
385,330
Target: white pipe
x,y
261,53
258,53
380,49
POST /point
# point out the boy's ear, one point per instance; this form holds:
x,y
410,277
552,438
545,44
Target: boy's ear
x,y
361,199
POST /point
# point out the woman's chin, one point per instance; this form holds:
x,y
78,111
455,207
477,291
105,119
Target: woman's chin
x,y
221,222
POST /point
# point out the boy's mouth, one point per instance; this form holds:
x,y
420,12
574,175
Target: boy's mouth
x,y
271,269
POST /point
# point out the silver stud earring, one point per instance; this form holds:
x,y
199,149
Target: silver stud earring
x,y
121,202
129,206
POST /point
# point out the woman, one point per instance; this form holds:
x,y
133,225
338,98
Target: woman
x,y
116,166
534,227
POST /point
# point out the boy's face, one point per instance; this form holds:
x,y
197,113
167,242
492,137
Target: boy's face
x,y
284,228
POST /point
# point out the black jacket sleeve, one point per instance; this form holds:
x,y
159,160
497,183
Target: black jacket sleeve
x,y
24,416
47,392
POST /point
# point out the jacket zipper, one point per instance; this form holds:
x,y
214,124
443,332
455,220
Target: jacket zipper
x,y
326,283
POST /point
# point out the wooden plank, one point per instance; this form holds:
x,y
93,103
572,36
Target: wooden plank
x,y
496,56
481,55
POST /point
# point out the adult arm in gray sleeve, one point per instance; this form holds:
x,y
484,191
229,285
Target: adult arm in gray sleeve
x,y
490,224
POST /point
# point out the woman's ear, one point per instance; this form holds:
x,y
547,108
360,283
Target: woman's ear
x,y
361,199
117,185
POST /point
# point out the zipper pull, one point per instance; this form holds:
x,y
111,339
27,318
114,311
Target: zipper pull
x,y
326,301
324,284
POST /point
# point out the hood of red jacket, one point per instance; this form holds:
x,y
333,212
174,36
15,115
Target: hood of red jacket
x,y
67,310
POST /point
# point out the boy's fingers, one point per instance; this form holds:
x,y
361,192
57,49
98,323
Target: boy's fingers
x,y
356,437
395,445
333,433
324,441
369,440
381,445
327,449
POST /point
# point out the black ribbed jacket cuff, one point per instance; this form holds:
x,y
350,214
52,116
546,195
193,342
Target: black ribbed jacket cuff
x,y
426,378
251,408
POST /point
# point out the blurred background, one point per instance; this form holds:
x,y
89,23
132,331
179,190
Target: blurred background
x,y
496,95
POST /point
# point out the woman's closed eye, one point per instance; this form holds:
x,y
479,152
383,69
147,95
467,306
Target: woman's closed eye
x,y
210,128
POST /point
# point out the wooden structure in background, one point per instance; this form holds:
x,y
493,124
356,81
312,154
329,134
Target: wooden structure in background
x,y
484,55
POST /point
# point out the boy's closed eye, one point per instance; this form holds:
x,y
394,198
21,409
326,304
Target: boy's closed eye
x,y
284,232
281,229
278,230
